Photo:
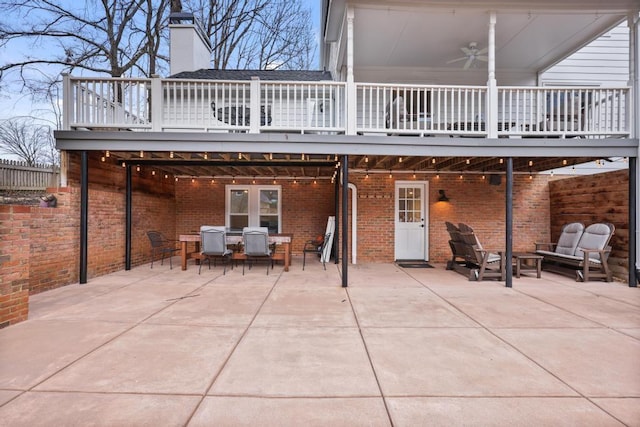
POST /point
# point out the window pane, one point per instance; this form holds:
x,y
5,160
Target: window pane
x,y
271,222
269,202
238,222
239,201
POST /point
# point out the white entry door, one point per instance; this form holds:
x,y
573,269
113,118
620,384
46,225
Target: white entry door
x,y
411,220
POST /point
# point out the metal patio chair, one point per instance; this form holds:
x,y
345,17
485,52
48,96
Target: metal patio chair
x,y
163,245
213,244
256,246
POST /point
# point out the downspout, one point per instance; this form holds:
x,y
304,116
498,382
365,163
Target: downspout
x,y
354,222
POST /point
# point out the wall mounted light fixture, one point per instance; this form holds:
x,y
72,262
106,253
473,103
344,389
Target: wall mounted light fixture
x,y
443,197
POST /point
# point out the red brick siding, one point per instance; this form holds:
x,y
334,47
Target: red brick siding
x,y
54,243
14,264
305,206
472,201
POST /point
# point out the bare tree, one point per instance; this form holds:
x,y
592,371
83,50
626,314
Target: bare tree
x,y
257,34
28,140
113,37
130,37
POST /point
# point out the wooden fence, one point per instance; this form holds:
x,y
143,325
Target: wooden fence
x,y
19,176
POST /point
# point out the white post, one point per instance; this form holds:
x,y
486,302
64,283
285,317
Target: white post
x,y
157,103
67,101
351,86
492,86
254,103
64,167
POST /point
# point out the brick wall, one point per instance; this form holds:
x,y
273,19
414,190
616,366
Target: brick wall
x,y
53,260
14,264
472,201
153,208
595,198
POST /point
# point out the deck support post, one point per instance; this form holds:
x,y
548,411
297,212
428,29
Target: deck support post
x,y
509,224
345,225
84,214
633,222
127,219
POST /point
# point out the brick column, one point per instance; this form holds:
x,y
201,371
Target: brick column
x,y
14,263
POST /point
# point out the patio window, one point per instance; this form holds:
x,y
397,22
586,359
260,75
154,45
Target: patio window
x,y
253,206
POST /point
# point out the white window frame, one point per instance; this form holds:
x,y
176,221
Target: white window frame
x,y
253,203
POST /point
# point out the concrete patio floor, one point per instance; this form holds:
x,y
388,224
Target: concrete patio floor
x,y
402,347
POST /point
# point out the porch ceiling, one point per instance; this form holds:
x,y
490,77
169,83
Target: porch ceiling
x,y
530,36
268,165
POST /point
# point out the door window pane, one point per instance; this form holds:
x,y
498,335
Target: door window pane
x,y
409,205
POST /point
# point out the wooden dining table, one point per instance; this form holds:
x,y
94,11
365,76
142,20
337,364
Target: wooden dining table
x,y
283,239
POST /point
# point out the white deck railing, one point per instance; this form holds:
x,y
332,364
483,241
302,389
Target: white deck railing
x,y
421,109
565,111
321,107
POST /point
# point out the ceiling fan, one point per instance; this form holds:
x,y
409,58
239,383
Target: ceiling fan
x,y
471,55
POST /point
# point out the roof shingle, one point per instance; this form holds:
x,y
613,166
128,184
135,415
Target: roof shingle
x,y
282,75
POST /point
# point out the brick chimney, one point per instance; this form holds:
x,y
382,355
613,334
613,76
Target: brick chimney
x,y
190,48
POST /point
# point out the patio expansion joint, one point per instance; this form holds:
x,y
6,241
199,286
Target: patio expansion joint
x,y
233,349
366,349
107,342
597,325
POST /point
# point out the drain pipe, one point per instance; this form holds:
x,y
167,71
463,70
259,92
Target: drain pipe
x,y
354,222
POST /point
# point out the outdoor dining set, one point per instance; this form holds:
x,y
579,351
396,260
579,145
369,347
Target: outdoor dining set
x,y
217,243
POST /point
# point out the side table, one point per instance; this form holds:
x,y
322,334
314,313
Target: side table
x,y
531,262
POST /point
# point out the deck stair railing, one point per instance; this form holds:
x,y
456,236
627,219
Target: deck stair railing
x,y
256,106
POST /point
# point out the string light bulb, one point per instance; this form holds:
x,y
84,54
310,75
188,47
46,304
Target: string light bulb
x,y
107,154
